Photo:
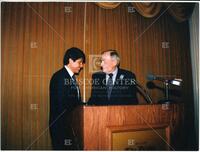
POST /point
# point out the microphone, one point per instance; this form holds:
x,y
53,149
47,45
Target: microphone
x,y
145,93
176,82
152,77
173,81
167,81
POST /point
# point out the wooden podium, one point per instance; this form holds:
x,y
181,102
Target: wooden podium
x,y
131,127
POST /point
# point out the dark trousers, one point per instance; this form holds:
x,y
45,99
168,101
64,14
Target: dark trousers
x,y
62,138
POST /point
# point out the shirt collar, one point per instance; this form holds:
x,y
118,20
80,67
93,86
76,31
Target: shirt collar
x,y
69,71
114,72
113,77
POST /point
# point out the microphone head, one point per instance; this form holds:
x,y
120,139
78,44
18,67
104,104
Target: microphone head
x,y
151,77
176,82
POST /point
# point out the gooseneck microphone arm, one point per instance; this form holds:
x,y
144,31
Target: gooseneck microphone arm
x,y
145,93
167,82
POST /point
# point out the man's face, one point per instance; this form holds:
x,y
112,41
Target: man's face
x,y
76,66
107,63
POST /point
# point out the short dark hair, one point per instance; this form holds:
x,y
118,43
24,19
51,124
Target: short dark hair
x,y
74,54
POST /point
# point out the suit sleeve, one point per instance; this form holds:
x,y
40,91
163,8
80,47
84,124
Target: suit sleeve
x,y
58,111
56,97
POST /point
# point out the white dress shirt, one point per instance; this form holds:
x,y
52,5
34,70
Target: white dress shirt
x,y
113,77
71,74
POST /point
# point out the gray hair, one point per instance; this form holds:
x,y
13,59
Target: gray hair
x,y
114,55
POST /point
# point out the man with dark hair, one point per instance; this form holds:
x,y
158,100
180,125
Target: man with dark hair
x,y
64,97
113,86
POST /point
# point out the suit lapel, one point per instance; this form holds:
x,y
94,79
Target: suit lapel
x,y
117,83
66,73
102,80
67,76
117,77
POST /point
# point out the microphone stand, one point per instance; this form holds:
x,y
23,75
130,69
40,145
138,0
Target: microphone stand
x,y
166,83
144,92
166,99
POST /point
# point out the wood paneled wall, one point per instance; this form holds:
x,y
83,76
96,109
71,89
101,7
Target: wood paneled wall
x,y
35,37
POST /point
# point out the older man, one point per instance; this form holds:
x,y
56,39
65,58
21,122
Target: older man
x,y
113,86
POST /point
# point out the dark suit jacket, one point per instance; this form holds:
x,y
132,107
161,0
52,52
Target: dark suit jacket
x,y
63,99
123,91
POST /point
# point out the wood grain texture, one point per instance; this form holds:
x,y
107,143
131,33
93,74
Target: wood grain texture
x,y
99,122
35,37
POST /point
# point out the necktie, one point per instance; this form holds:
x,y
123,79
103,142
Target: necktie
x,y
77,87
109,85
